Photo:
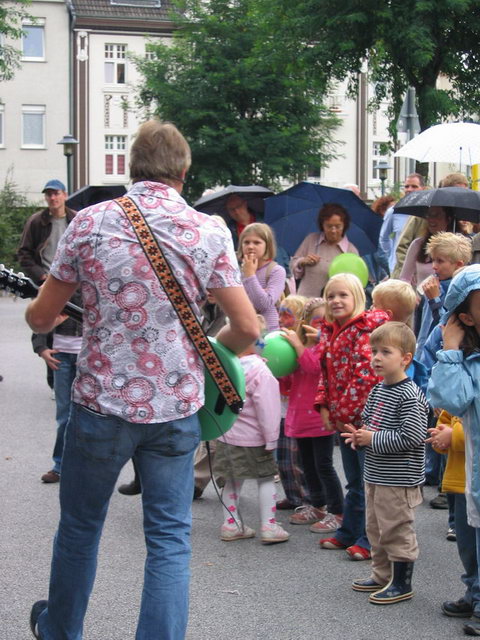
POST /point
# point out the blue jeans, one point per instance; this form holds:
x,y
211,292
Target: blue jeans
x,y
352,529
63,379
96,449
467,550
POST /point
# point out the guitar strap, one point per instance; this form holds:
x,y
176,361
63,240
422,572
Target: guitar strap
x,y
228,393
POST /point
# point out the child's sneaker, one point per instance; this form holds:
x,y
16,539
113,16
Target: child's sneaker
x,y
228,534
273,533
307,514
332,543
329,524
358,553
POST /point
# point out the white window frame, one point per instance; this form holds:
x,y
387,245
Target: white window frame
x,y
377,157
136,3
33,109
38,24
2,126
115,146
115,54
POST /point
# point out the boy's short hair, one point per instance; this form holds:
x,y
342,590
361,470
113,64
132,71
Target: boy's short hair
x,y
397,295
451,246
394,334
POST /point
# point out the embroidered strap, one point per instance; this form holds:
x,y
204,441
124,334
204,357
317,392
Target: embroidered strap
x,y
181,304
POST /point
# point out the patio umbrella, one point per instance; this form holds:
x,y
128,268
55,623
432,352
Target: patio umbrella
x,y
293,215
215,202
455,142
464,202
91,194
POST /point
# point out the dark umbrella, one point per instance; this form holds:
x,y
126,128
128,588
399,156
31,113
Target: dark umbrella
x,y
464,202
215,202
293,215
88,195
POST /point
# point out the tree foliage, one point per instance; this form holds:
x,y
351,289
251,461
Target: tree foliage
x,y
11,16
14,211
405,42
219,83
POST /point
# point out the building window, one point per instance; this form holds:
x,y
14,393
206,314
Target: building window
x,y
33,126
136,3
33,42
378,153
115,55
115,156
2,127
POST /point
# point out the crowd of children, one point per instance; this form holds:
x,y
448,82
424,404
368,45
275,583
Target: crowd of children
x,y
366,382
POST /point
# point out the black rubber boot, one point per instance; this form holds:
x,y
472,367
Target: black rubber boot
x,y
399,588
134,487
366,584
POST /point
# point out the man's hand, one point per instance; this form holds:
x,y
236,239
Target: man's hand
x,y
431,287
47,355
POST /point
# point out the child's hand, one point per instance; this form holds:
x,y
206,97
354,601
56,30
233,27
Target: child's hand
x,y
453,334
249,265
349,435
431,287
325,413
292,337
311,333
363,438
440,436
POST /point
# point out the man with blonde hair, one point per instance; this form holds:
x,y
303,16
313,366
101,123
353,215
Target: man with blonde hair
x,y
139,382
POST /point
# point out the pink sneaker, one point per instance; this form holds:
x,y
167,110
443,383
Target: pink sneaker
x,y
329,524
307,514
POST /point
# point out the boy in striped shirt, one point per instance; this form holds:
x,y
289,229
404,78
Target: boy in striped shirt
x,y
394,431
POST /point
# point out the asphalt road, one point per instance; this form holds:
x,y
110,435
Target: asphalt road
x,y
239,591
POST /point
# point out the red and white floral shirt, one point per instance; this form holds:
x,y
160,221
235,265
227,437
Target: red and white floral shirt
x,y
136,360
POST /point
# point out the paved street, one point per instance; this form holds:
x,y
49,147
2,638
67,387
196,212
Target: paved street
x,y
240,590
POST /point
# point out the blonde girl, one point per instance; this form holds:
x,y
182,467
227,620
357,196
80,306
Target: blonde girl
x,y
262,277
342,393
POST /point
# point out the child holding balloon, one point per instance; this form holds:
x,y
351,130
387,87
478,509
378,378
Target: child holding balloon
x,y
289,465
343,390
246,451
315,440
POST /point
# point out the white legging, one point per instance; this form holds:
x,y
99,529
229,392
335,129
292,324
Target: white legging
x,y
266,497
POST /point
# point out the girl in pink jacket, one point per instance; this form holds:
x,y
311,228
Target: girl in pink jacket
x,y
246,451
315,440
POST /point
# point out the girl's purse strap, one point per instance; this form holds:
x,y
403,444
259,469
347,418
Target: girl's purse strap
x,y
180,303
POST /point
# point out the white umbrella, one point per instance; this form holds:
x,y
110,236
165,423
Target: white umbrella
x,y
454,142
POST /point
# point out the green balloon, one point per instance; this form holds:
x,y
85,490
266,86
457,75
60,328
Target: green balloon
x,y
281,357
349,263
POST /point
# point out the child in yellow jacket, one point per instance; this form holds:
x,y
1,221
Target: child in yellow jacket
x,y
447,437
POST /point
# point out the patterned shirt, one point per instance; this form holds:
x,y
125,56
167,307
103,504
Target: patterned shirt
x,y
136,360
398,415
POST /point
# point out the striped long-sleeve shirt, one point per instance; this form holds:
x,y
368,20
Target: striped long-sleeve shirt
x,y
398,415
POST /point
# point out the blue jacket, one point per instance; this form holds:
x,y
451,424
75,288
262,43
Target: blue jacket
x,y
431,312
455,383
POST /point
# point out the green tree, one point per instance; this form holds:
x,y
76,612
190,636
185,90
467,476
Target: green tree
x,y
405,42
14,211
246,123
11,16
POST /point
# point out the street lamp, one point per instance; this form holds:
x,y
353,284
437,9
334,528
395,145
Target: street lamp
x,y
68,143
382,167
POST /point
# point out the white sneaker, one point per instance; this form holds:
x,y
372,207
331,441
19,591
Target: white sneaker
x,y
229,534
273,533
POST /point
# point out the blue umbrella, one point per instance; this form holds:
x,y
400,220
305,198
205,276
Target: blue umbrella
x,y
293,215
